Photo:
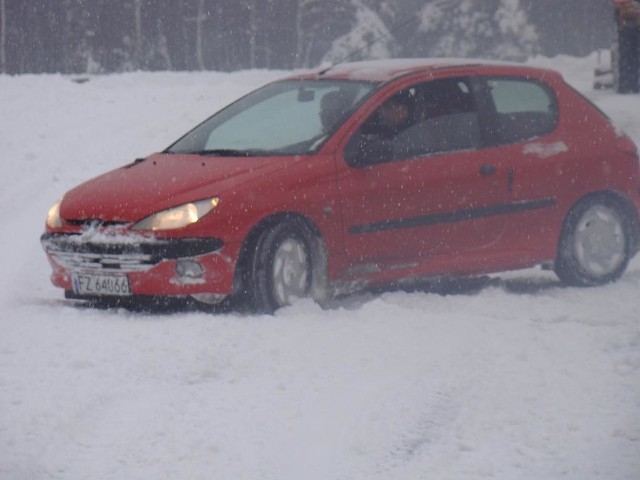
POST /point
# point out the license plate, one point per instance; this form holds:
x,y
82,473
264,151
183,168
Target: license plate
x,y
87,284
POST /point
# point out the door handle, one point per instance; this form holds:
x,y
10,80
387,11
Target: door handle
x,y
487,169
510,174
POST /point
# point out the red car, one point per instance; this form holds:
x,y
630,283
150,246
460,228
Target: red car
x,y
364,174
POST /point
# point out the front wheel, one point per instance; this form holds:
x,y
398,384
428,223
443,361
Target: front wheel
x,y
280,268
596,243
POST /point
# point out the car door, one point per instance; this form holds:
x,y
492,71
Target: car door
x,y
523,124
430,190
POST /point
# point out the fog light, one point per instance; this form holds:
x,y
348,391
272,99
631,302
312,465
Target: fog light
x,y
189,269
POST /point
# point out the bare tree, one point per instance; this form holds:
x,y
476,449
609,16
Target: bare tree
x,y
200,18
300,44
3,38
253,29
137,5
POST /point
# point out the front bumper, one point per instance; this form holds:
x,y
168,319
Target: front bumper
x,y
150,264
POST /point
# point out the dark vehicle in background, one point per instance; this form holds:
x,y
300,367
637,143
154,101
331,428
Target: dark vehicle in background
x,y
365,174
626,58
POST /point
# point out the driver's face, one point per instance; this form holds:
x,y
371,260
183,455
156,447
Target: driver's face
x,y
394,113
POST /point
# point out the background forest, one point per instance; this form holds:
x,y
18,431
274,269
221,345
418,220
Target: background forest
x,y
93,36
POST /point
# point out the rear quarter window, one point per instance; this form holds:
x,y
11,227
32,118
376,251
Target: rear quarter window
x,y
524,109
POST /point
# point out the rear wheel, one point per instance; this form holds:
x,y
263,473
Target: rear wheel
x,y
279,268
596,243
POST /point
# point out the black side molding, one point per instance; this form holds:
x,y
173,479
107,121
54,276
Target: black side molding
x,y
453,217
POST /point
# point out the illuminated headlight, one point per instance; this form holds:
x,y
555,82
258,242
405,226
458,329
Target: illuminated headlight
x,y
177,217
53,217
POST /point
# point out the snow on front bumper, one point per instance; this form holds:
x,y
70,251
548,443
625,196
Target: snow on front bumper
x,y
153,266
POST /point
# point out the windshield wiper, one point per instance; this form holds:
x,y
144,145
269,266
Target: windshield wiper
x,y
230,152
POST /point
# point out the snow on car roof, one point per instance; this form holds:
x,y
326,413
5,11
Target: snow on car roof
x,y
387,69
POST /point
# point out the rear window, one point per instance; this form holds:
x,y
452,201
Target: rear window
x,y
524,109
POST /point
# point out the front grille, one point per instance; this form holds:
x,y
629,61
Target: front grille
x,y
73,253
93,261
94,223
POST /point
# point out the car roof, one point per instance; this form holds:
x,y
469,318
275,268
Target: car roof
x,y
389,69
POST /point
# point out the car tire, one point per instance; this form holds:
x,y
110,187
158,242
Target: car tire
x,y
596,243
280,268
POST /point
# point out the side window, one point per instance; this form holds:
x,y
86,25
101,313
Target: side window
x,y
429,118
524,109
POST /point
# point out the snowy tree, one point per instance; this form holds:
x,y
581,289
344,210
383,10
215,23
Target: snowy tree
x,y
369,37
317,23
467,28
103,36
518,37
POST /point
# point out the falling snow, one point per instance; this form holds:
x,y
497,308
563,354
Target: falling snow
x,y
508,377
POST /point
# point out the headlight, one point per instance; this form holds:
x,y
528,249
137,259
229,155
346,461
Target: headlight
x,y
177,217
53,217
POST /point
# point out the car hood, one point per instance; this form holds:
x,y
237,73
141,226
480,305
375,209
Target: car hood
x,y
161,181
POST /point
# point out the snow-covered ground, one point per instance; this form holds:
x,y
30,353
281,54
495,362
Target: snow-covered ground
x,y
518,378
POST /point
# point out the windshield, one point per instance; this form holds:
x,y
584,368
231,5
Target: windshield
x,y
291,117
